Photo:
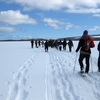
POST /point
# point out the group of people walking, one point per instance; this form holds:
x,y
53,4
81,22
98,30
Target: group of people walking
x,y
58,44
61,45
37,43
85,44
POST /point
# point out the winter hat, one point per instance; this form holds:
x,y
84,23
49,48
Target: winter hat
x,y
85,35
85,32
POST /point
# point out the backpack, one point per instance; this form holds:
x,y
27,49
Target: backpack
x,y
88,43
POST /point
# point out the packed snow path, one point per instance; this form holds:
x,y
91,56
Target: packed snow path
x,y
17,89
64,85
49,76
60,82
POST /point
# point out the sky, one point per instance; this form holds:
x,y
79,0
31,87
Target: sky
x,y
32,74
22,19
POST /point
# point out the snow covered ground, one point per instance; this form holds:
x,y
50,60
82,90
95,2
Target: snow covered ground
x,y
33,74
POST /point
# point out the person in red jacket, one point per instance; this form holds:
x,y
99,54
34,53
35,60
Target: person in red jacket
x,y
84,45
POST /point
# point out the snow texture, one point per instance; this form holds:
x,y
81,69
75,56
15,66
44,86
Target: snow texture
x,y
33,74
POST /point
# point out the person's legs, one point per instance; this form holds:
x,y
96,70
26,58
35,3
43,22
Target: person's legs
x,y
81,57
69,49
87,63
47,49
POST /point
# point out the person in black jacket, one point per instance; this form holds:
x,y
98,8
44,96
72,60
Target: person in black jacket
x,y
60,45
46,46
64,44
32,43
98,48
84,45
70,44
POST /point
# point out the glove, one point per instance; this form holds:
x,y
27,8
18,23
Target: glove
x,y
76,50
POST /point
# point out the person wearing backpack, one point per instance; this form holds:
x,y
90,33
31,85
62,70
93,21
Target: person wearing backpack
x,y
85,44
98,48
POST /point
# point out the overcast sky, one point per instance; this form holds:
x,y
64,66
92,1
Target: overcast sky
x,y
48,18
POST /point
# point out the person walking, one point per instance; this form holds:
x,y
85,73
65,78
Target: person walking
x,y
42,43
60,45
36,42
64,44
98,48
32,43
46,46
70,45
39,43
85,44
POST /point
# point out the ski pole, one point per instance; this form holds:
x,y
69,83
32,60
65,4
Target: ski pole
x,y
75,63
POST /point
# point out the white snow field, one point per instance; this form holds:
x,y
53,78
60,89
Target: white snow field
x,y
33,74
